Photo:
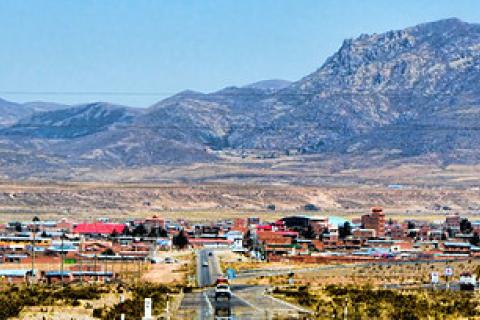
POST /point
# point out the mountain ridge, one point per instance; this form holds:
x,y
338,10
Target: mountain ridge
x,y
400,94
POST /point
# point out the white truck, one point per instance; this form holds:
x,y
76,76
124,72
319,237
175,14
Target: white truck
x,y
222,290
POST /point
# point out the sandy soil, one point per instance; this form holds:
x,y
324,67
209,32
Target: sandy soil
x,y
84,201
164,273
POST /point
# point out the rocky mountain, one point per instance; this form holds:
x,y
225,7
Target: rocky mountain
x,y
40,106
403,93
11,112
269,85
72,122
400,94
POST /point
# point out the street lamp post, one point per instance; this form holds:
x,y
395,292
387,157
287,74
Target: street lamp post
x,y
33,256
34,220
81,259
62,258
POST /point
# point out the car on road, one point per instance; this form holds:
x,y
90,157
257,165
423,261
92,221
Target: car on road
x,y
155,260
210,254
223,312
222,290
205,263
169,260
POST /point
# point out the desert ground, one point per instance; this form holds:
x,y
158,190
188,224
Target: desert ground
x,y
202,191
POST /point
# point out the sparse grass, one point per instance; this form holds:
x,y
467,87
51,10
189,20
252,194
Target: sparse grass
x,y
366,302
407,275
205,202
14,298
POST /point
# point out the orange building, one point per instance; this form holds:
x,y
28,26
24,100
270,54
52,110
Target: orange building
x,y
375,221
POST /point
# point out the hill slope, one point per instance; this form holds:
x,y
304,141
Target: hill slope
x,y
397,96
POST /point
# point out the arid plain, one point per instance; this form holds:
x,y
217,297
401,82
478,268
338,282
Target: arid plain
x,y
200,193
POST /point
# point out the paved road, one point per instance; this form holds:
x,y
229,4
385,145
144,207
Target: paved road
x,y
247,302
453,285
208,268
283,271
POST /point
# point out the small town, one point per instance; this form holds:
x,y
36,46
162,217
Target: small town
x,y
67,251
205,257
240,160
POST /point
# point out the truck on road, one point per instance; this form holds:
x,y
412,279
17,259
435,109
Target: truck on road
x,y
222,290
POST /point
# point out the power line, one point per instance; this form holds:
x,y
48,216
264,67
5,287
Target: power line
x,y
410,127
245,93
67,93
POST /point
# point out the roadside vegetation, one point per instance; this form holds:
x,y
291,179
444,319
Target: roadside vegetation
x,y
366,302
14,298
133,307
98,300
406,275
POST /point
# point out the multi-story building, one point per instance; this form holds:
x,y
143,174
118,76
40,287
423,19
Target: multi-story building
x,y
396,232
154,223
452,221
375,221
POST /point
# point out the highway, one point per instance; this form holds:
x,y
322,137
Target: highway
x,y
208,268
247,302
265,272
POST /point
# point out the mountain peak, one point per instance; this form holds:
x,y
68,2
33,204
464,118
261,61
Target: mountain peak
x,y
271,84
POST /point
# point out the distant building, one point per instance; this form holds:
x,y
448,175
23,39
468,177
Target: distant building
x,y
453,221
98,228
240,223
253,221
364,234
396,232
154,223
236,238
375,220
299,223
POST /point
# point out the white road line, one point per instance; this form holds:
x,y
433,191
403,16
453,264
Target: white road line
x,y
248,303
210,307
292,306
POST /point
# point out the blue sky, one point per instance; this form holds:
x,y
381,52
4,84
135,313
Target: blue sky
x,y
112,50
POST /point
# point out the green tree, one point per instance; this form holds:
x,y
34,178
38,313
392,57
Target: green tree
x,y
108,252
309,233
345,230
475,239
139,230
180,240
465,226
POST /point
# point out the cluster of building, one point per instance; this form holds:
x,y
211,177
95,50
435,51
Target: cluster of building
x,y
82,250
320,239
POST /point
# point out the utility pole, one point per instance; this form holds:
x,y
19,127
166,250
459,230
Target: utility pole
x,y
168,307
34,220
139,269
95,266
105,267
62,258
33,255
122,301
81,259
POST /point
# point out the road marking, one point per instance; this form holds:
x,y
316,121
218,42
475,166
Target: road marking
x,y
210,307
247,303
292,306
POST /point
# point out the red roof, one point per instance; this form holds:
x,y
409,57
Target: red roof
x,y
264,227
203,240
99,228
